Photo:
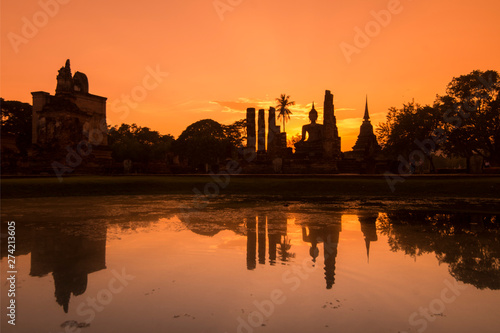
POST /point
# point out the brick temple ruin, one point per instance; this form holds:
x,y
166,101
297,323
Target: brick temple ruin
x,y
69,128
318,151
69,132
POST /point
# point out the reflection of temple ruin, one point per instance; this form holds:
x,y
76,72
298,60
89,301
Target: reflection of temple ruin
x,y
71,118
369,229
326,233
70,255
319,149
278,245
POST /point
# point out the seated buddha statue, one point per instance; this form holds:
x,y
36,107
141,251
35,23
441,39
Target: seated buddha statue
x,y
313,145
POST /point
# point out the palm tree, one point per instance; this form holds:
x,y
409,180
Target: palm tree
x,y
282,107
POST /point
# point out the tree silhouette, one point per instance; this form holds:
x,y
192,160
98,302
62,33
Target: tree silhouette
x,y
203,143
139,144
236,134
471,110
406,128
282,107
284,249
16,121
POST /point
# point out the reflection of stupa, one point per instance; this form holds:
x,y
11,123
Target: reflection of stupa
x,y
329,236
313,233
70,256
369,229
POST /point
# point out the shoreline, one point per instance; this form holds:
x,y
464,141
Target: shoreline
x,y
285,186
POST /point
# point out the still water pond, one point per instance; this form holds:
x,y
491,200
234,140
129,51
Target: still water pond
x,y
142,264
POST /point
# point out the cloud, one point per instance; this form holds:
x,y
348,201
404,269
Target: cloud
x,y
345,109
195,106
242,104
349,123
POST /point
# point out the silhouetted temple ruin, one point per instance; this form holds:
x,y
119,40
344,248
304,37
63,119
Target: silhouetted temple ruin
x,y
72,121
319,149
366,145
365,156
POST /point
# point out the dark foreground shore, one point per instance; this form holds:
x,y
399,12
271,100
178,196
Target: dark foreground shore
x,y
282,185
431,193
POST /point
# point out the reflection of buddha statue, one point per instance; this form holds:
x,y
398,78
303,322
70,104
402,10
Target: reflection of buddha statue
x,y
313,146
329,236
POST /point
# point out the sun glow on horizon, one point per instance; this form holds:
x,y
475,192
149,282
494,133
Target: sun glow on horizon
x,y
257,51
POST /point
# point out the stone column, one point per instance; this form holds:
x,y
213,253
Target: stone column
x,y
328,125
251,129
262,132
272,131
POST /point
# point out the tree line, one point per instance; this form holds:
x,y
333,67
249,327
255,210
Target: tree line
x,y
205,142
462,123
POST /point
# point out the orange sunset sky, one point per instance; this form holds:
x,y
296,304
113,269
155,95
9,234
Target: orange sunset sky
x,y
224,56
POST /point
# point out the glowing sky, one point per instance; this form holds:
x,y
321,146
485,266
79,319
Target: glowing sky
x,y
246,53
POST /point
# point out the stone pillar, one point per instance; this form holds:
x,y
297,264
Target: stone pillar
x,y
251,129
272,132
328,125
282,140
262,132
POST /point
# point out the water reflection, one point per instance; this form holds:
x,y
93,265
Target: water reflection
x,y
369,229
468,243
329,236
70,254
275,227
322,229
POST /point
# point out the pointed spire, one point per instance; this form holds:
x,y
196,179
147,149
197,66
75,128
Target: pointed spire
x,y
313,106
367,242
367,116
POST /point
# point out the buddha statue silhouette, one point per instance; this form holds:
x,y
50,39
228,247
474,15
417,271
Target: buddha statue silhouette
x,y
313,145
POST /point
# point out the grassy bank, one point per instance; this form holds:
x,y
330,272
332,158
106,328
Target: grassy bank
x,y
286,186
